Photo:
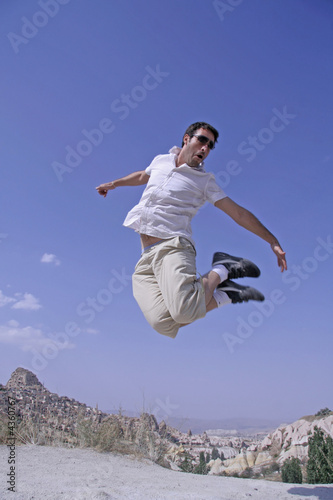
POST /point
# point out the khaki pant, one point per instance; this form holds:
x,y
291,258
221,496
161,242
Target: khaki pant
x,y
166,288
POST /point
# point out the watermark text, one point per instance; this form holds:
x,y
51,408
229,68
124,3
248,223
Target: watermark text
x,y
11,444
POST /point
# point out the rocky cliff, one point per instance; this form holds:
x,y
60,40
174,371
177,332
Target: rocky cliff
x,y
285,442
21,378
292,440
43,417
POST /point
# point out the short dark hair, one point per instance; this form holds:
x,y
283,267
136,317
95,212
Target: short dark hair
x,y
196,126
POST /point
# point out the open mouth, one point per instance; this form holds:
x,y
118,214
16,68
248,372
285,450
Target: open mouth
x,y
199,155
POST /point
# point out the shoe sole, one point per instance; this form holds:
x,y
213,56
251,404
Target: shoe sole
x,y
229,259
254,294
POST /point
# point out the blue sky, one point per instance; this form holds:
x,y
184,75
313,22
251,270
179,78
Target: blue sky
x,y
91,91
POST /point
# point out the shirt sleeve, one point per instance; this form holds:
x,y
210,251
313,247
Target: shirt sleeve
x,y
151,166
213,191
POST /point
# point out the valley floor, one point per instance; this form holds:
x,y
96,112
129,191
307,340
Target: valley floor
x,y
52,473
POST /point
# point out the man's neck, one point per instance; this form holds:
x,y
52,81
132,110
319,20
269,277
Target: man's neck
x,y
179,160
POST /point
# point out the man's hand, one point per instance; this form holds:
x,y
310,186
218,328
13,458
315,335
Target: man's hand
x,y
281,256
104,188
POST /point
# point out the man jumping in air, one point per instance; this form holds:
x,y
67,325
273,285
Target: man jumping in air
x,y
165,282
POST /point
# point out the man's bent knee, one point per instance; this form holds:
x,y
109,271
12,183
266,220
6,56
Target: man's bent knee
x,y
169,328
188,313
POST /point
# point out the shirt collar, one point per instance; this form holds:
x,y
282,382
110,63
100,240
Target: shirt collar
x,y
175,150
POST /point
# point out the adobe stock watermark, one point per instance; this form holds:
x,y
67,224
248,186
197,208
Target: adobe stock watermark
x,y
246,327
11,444
254,144
86,309
292,278
163,410
30,27
121,107
225,7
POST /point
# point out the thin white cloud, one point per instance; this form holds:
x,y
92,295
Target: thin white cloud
x,y
50,258
4,300
27,338
13,323
28,302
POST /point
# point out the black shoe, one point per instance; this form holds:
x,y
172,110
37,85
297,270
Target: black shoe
x,y
236,266
239,293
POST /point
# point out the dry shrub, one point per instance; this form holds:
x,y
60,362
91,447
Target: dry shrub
x,y
3,428
148,442
140,439
25,431
29,431
86,433
109,434
113,434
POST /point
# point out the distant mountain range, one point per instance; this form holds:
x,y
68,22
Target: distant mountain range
x,y
246,426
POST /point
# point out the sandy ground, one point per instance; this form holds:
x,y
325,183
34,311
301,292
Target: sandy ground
x,y
70,474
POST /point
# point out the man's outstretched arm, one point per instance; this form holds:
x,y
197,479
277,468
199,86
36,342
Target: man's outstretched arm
x,y
250,222
135,179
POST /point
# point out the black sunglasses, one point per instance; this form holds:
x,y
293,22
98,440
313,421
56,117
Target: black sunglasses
x,y
204,140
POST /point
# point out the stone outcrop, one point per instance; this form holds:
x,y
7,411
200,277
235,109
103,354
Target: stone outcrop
x,y
21,378
236,465
292,440
285,442
38,408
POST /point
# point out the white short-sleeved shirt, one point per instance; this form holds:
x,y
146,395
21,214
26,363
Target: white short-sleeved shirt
x,y
173,195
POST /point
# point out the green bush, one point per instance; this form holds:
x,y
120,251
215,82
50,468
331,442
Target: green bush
x,y
323,412
320,463
291,471
201,468
247,473
186,465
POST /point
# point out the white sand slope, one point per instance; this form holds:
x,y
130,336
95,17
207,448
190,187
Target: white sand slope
x,y
81,474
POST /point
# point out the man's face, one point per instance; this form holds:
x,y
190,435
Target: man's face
x,y
194,152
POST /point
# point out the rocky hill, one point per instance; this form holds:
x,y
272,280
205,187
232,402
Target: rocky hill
x,y
292,440
285,442
38,407
21,378
43,417
47,418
